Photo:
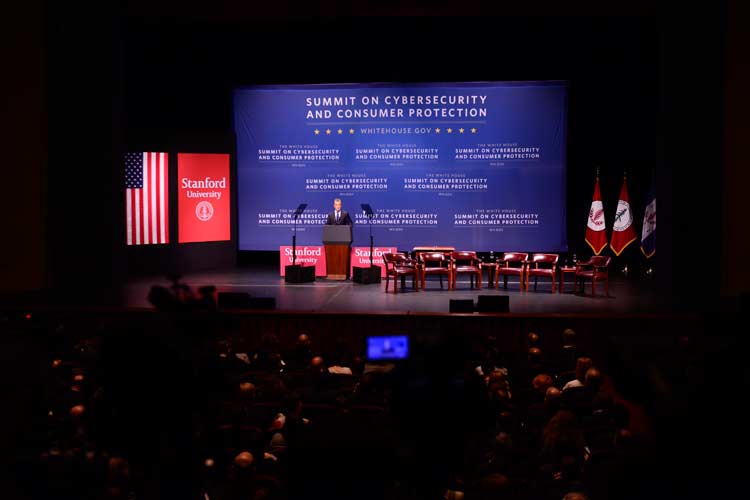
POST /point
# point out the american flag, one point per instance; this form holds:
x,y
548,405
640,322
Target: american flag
x,y
146,198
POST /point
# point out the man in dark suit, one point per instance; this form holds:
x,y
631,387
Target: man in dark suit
x,y
338,217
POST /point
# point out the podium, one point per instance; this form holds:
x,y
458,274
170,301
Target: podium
x,y
337,241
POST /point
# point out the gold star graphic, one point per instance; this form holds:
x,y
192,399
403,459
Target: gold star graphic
x,y
340,131
317,132
461,130
437,130
473,130
328,131
450,130
351,130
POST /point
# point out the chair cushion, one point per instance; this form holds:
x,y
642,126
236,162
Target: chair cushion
x,y
515,271
467,269
589,273
436,270
402,270
540,272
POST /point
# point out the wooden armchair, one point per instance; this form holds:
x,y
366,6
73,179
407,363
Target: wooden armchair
x,y
595,269
399,266
435,264
512,264
542,265
466,263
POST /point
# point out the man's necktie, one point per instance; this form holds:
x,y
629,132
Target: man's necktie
x,y
337,216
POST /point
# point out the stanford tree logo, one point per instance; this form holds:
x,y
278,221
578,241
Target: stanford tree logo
x,y
623,216
596,216
204,211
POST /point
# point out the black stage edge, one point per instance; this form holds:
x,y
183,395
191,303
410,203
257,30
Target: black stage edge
x,y
299,274
628,295
367,275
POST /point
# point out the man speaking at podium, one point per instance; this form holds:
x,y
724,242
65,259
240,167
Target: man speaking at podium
x,y
338,257
338,217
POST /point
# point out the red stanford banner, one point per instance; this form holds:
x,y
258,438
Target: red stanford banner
x,y
203,200
361,257
306,256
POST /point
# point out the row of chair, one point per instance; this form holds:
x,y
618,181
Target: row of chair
x,y
432,264
451,265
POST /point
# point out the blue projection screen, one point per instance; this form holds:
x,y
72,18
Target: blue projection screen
x,y
477,166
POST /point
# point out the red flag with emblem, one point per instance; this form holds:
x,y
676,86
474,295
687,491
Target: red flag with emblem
x,y
596,235
623,231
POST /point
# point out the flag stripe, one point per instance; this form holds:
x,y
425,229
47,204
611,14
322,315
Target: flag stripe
x,y
166,198
145,198
152,190
161,199
155,204
137,216
129,215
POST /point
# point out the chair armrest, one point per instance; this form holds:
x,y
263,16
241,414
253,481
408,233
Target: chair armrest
x,y
580,265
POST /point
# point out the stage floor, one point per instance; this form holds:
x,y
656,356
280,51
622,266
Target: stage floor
x,y
625,295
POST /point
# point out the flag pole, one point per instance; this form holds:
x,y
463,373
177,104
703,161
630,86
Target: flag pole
x,y
624,180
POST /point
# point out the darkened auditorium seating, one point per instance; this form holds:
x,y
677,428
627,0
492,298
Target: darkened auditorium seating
x,y
223,409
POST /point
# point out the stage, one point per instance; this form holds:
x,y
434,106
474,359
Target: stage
x,y
626,295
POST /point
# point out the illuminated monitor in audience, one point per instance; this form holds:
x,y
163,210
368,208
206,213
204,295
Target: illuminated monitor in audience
x,y
387,347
